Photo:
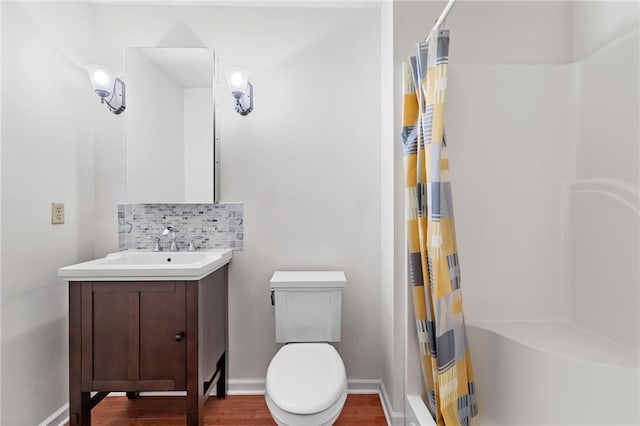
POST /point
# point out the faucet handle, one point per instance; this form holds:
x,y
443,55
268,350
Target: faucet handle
x,y
169,230
191,246
156,246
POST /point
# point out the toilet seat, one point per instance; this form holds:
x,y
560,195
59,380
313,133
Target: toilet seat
x,y
306,378
323,418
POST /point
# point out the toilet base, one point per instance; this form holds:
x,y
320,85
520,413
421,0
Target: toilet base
x,y
324,418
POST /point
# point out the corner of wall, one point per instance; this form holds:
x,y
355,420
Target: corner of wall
x,y
604,181
0,193
392,295
47,155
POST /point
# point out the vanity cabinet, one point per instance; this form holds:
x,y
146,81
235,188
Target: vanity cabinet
x,y
136,336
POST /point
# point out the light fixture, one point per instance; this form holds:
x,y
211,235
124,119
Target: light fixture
x,y
110,89
241,89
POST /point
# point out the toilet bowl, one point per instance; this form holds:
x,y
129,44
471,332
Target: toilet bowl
x,y
306,385
306,382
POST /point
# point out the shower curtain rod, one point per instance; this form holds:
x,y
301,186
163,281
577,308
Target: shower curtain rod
x,y
442,18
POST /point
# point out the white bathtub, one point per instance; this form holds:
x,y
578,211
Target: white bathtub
x,y
552,373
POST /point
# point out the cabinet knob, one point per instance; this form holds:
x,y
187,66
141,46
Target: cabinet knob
x,y
179,336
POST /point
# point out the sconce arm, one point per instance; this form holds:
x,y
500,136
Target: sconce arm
x,y
244,103
117,102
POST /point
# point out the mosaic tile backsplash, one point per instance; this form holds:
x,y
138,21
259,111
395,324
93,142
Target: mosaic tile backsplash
x,y
211,226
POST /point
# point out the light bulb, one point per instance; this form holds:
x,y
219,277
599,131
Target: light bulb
x,y
236,79
100,77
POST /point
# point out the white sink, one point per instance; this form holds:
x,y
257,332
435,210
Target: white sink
x,y
146,266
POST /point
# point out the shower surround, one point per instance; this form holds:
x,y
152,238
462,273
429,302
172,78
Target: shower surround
x,y
547,192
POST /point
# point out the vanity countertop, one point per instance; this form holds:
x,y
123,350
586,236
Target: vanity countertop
x,y
132,265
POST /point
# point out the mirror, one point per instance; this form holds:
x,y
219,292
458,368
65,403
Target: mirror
x,y
170,125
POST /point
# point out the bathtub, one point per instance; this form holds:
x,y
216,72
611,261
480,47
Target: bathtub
x,y
552,373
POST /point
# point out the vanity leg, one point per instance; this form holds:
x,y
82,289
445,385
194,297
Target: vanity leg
x,y
79,402
80,409
221,386
195,402
195,392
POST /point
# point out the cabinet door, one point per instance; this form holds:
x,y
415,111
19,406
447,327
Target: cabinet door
x,y
129,336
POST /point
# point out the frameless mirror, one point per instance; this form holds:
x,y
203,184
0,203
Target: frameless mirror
x,y
170,126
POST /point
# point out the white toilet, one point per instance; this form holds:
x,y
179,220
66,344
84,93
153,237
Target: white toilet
x,y
306,381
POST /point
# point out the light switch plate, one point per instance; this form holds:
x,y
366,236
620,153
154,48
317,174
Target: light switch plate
x,y
57,212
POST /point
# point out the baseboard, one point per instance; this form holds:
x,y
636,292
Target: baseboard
x,y
257,387
246,386
363,386
394,418
59,418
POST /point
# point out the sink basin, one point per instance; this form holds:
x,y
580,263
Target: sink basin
x,y
148,266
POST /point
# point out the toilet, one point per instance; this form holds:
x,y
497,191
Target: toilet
x,y
306,383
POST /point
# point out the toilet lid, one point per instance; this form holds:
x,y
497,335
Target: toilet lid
x,y
306,378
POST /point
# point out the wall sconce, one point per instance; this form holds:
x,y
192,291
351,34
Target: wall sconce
x,y
241,89
107,86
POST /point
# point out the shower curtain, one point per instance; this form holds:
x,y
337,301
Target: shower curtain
x,y
434,274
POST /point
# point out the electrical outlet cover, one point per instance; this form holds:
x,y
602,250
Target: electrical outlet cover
x,y
57,213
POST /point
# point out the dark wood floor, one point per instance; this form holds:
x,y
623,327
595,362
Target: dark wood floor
x,y
232,411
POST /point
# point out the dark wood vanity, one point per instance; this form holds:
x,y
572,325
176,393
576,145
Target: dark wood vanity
x,y
136,336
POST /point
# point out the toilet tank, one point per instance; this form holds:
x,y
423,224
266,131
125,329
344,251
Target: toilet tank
x,y
308,305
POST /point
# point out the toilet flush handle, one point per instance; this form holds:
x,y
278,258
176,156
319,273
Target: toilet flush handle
x,y
273,301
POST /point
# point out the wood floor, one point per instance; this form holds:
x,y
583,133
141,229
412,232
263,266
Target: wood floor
x,y
234,410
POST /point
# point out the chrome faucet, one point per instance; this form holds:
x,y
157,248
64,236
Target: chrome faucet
x,y
172,233
192,246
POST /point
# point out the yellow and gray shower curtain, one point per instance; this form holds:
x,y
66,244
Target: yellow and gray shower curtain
x,y
434,272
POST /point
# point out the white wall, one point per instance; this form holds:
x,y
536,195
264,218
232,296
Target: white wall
x,y
0,213
604,203
306,166
46,156
305,163
509,120
392,297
